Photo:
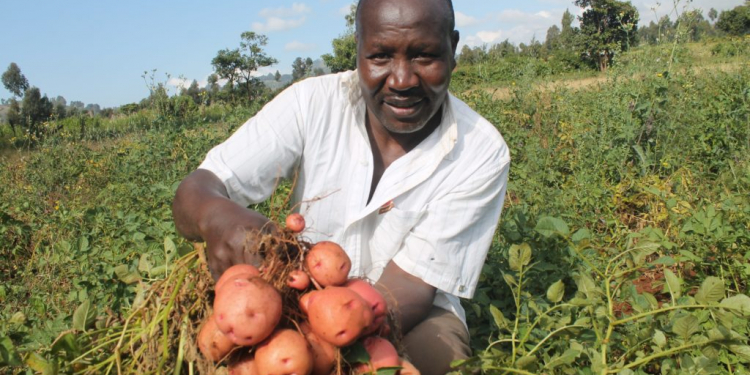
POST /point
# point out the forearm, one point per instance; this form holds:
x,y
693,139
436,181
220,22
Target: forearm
x,y
196,197
408,297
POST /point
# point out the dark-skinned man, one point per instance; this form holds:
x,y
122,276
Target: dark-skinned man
x,y
407,178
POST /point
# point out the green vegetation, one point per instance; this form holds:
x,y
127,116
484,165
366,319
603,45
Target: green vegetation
x,y
624,245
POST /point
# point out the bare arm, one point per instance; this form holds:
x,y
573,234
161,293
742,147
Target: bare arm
x,y
407,296
203,211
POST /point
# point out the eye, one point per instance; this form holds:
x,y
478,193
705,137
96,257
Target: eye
x,y
378,57
425,57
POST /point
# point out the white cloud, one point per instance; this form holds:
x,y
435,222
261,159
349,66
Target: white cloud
x,y
277,24
296,10
650,10
182,82
299,46
463,20
262,71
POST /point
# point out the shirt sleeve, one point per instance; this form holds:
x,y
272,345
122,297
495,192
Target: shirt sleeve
x,y
449,244
263,150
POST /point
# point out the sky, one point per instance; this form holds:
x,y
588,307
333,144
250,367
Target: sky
x,y
98,51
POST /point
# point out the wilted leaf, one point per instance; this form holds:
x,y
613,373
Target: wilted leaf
x,y
742,352
40,365
84,316
556,291
686,326
500,320
356,353
660,339
18,318
673,283
740,304
519,256
711,290
525,361
509,279
143,264
550,226
125,275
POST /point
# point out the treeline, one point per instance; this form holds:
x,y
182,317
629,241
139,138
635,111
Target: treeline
x,y
608,28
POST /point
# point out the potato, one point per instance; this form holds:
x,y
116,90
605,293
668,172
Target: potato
x,y
374,299
324,354
244,366
244,271
338,315
382,354
212,343
285,352
408,368
247,310
295,223
328,264
298,279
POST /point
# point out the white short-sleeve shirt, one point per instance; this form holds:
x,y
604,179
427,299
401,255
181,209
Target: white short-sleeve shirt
x,y
434,210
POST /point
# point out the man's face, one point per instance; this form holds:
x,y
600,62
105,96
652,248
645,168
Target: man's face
x,y
405,55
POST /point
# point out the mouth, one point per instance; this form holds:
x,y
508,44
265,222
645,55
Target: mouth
x,y
403,108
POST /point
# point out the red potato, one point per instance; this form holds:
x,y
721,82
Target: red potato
x,y
247,310
298,279
286,352
374,298
324,354
328,263
244,271
407,368
338,315
212,343
382,354
244,366
295,223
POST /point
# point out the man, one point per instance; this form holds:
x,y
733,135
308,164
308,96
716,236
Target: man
x,y
407,178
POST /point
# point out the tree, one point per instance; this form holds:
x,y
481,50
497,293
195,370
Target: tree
x,y
277,76
344,55
193,91
14,81
35,109
301,68
552,41
713,14
238,65
607,27
735,21
15,118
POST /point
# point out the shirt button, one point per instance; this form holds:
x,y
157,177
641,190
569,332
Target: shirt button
x,y
461,288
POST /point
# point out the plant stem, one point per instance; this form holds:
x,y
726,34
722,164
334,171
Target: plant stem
x,y
665,309
650,358
550,335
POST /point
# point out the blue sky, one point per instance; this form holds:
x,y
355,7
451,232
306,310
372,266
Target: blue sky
x,y
97,51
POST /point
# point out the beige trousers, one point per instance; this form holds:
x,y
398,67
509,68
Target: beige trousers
x,y
436,341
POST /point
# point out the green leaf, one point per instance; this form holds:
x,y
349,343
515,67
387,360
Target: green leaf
x,y
740,304
550,226
509,279
17,319
125,275
388,370
587,286
686,326
690,256
169,247
568,357
711,290
525,361
37,363
67,343
742,352
556,291
500,320
580,235
8,354
519,256
673,283
659,338
84,316
356,353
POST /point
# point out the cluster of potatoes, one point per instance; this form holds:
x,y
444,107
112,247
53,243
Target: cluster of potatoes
x,y
335,312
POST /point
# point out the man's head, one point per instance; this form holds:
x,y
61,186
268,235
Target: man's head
x,y
405,55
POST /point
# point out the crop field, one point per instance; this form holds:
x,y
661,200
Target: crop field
x,y
623,246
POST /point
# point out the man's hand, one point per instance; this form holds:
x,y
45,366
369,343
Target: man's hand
x,y
407,296
203,211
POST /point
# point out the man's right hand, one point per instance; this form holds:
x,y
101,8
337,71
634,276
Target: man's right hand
x,y
202,211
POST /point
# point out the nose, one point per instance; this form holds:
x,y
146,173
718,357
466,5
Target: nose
x,y
402,77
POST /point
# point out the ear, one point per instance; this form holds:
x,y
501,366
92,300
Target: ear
x,y
454,45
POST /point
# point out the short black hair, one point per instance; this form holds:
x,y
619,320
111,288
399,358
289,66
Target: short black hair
x,y
451,16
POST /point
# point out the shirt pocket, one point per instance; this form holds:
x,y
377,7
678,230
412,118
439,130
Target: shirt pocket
x,y
388,237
